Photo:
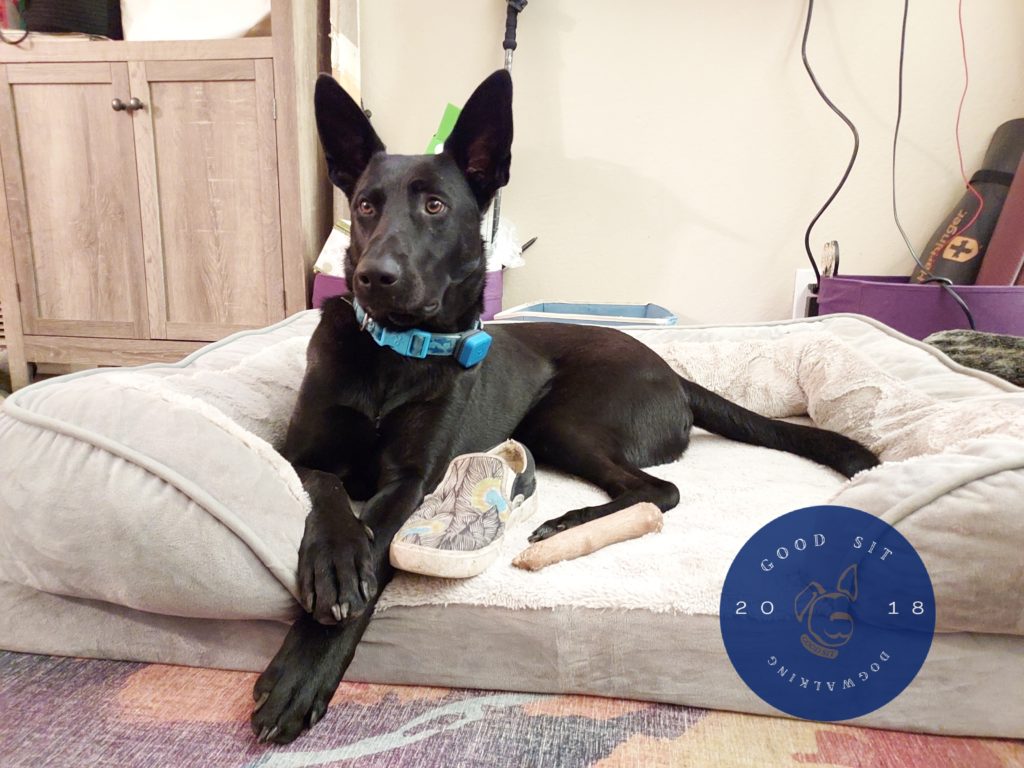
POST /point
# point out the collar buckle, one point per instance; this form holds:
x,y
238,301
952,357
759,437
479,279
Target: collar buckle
x,y
411,343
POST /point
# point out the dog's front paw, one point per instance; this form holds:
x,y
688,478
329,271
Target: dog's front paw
x,y
336,568
294,691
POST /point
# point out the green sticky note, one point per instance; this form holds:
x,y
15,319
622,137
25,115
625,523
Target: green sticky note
x,y
444,130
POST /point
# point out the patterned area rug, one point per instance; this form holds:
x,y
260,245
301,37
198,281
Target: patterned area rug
x,y
78,712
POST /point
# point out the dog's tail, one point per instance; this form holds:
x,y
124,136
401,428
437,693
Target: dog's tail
x,y
716,414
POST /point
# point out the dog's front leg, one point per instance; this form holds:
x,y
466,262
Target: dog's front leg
x,y
336,560
345,560
293,692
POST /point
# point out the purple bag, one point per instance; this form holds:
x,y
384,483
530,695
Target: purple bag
x,y
920,310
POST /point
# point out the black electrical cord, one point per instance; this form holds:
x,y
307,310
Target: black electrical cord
x,y
945,282
853,155
13,41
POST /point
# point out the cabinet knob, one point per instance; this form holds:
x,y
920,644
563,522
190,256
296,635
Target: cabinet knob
x,y
133,104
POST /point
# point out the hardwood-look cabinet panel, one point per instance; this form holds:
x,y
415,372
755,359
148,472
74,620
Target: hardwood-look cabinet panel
x,y
208,185
72,200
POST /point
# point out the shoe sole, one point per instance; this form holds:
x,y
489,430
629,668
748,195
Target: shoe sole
x,y
457,564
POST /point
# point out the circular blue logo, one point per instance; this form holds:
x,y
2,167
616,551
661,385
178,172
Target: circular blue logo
x,y
827,613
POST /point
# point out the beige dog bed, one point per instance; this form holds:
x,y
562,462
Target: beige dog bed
x,y
144,514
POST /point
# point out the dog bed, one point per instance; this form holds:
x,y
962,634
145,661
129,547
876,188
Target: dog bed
x,y
145,515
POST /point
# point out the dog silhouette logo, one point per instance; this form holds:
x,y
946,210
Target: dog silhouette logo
x,y
826,615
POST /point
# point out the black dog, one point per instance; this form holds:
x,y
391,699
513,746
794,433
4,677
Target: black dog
x,y
373,424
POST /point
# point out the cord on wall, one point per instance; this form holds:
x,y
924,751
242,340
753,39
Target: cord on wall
x,y
959,112
853,154
945,282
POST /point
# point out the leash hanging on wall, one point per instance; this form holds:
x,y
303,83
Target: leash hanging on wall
x,y
512,11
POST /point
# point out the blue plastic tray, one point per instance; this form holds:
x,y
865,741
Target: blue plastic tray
x,y
629,315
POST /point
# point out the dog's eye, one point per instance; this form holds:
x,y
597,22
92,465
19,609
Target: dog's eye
x,y
434,206
365,208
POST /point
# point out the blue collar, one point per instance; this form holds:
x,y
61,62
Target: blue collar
x,y
468,347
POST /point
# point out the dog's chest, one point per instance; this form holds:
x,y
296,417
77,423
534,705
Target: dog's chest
x,y
382,384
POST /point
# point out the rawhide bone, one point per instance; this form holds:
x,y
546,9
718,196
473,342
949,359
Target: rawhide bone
x,y
629,523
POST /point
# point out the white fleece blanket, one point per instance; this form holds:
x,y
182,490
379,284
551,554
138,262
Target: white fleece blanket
x,y
820,375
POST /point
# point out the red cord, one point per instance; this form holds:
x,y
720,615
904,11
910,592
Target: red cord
x,y
959,111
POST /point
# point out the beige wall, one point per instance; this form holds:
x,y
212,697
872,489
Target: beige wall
x,y
675,151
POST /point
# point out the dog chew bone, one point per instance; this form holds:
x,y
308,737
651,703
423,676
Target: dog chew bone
x,y
629,523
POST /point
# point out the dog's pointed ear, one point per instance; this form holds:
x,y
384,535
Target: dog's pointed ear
x,y
806,598
847,584
481,141
348,139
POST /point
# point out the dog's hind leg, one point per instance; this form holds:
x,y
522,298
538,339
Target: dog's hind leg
x,y
587,456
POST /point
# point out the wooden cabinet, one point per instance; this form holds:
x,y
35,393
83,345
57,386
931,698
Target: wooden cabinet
x,y
157,195
73,200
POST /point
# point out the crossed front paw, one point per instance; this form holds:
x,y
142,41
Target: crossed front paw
x,y
336,567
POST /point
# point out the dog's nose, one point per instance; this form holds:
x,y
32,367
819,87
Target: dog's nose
x,y
381,272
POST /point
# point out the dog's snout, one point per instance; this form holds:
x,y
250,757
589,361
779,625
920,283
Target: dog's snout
x,y
380,273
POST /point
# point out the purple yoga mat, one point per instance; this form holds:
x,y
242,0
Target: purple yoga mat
x,y
325,286
920,310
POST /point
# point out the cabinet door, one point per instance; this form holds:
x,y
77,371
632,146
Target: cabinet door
x,y
72,199
207,153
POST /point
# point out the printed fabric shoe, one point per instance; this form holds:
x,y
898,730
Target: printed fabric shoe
x,y
457,531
